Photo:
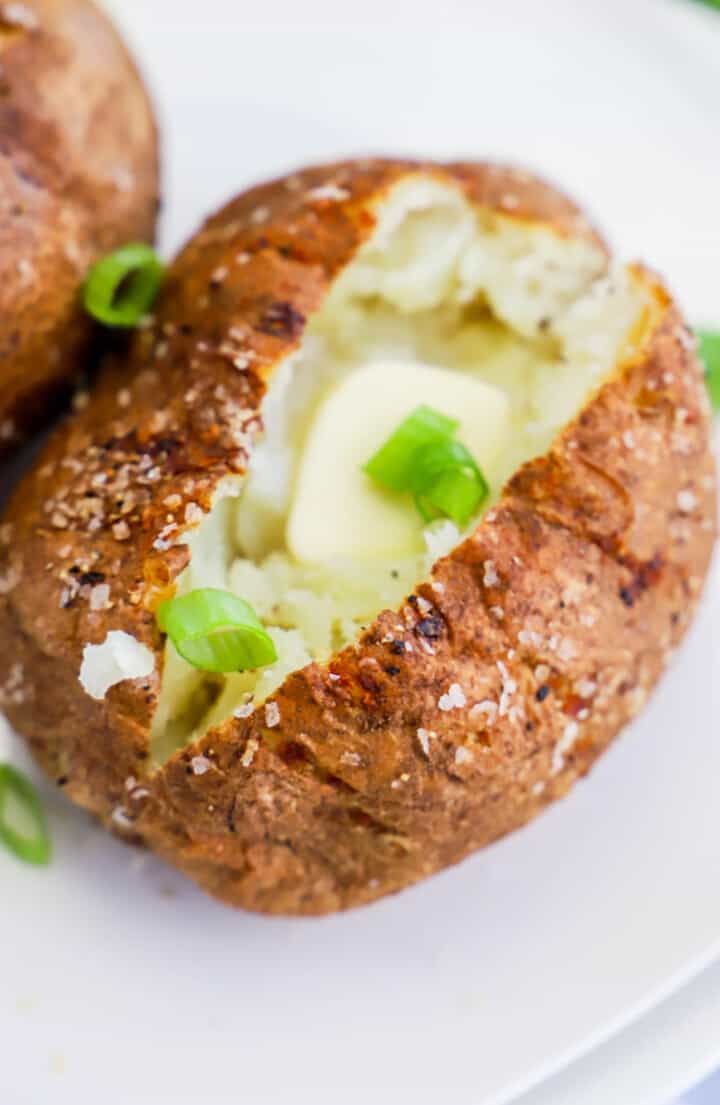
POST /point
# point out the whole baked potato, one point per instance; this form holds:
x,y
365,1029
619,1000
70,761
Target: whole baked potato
x,y
78,177
436,684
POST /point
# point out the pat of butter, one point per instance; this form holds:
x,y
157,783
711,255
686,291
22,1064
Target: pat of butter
x,y
337,511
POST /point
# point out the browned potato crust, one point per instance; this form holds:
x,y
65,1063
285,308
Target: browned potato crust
x,y
603,544
78,177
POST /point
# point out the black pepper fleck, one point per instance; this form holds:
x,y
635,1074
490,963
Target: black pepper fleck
x,y
626,596
431,627
542,692
92,577
282,320
397,647
391,669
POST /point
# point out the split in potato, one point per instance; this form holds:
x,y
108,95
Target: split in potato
x,y
434,688
504,326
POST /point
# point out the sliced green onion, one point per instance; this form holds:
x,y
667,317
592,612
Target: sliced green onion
x,y
23,827
215,630
392,465
122,287
709,350
447,482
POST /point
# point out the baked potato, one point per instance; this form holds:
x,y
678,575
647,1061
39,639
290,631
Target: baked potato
x,y
78,177
435,685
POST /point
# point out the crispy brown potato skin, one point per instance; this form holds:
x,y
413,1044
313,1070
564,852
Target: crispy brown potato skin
x,y
597,566
78,177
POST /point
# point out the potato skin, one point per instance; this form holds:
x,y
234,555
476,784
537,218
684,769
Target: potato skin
x,y
562,608
78,177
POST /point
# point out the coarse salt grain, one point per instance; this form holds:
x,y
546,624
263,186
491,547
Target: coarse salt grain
x,y
193,514
200,765
121,531
328,192
564,745
272,714
490,576
497,612
423,736
100,597
351,759
121,818
486,708
686,501
629,439
161,542
244,711
462,755
249,754
453,699
586,688
509,686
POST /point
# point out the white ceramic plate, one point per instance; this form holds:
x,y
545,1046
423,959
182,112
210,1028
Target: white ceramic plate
x,y
120,982
669,1052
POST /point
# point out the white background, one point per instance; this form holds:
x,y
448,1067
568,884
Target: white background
x,y
121,982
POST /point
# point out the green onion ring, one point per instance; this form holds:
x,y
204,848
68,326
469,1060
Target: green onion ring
x,y
709,352
391,466
215,630
447,482
15,787
121,287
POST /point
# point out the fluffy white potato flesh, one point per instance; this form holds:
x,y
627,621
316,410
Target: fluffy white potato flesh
x,y
503,323
119,657
359,518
